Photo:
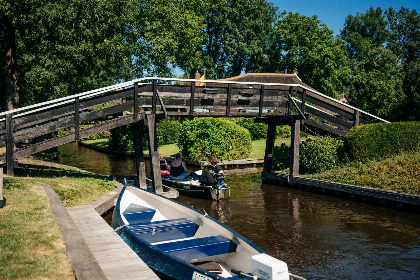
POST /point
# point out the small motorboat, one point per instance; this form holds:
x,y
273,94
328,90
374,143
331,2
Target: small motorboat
x,y
190,187
182,243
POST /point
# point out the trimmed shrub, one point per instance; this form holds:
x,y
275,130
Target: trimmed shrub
x,y
257,130
315,156
284,131
381,140
320,154
168,131
202,137
281,157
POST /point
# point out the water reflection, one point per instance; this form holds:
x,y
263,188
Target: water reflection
x,y
320,237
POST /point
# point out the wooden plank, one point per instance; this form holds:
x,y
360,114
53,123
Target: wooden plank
x,y
229,99
76,118
155,89
261,101
1,181
269,147
120,121
356,118
86,117
40,130
294,152
327,117
113,255
138,148
44,145
9,145
136,101
192,98
324,128
154,154
81,258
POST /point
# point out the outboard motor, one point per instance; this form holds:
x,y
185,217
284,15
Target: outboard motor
x,y
220,179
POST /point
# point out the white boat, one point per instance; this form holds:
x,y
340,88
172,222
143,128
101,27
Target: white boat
x,y
180,242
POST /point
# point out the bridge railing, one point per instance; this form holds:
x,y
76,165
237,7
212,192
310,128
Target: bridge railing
x,y
45,125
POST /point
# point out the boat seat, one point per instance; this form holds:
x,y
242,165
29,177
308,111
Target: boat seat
x,y
136,214
165,230
199,247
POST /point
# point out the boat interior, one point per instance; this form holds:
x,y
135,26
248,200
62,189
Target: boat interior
x,y
185,233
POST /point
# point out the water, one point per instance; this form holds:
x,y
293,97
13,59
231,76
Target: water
x,y
318,236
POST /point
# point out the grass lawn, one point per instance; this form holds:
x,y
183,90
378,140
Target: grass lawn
x,y
31,244
258,146
400,173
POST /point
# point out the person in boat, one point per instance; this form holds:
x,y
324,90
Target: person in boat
x,y
178,168
164,169
209,178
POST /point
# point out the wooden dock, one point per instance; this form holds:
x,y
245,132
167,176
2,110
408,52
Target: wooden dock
x,y
114,256
94,250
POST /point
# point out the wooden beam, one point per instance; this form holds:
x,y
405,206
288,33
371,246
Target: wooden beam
x,y
138,129
294,153
76,118
136,101
9,145
356,118
269,148
154,154
192,97
1,182
228,99
154,98
303,104
260,111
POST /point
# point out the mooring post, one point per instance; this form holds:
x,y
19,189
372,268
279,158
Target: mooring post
x,y
9,145
138,129
76,118
269,148
294,153
154,154
1,182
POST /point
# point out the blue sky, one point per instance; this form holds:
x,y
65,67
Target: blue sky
x,y
333,13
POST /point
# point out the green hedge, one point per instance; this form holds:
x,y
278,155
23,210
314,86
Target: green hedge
x,y
168,131
320,154
381,140
257,130
315,155
202,137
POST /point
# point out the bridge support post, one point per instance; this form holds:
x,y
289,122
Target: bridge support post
x,y
154,154
294,152
269,148
138,129
9,145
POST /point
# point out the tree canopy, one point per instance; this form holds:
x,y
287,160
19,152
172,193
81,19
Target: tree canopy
x,y
52,49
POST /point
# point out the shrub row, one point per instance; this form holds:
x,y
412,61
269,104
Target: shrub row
x,y
380,140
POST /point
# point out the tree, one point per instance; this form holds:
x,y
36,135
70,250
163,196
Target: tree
x,y
306,45
59,48
383,49
235,35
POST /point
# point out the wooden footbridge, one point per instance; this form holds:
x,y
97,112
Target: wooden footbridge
x,y
143,102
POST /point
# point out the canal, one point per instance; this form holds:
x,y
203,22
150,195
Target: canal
x,y
318,236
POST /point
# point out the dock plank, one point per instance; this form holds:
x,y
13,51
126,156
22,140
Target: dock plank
x,y
114,256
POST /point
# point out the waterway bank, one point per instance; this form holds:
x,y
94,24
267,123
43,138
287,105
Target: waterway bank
x,y
320,237
31,243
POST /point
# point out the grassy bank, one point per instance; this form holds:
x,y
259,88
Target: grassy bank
x,y
400,173
31,244
258,146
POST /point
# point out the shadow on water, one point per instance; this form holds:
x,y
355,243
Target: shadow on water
x,y
319,236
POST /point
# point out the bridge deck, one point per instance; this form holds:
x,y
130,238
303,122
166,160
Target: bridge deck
x,y
114,256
